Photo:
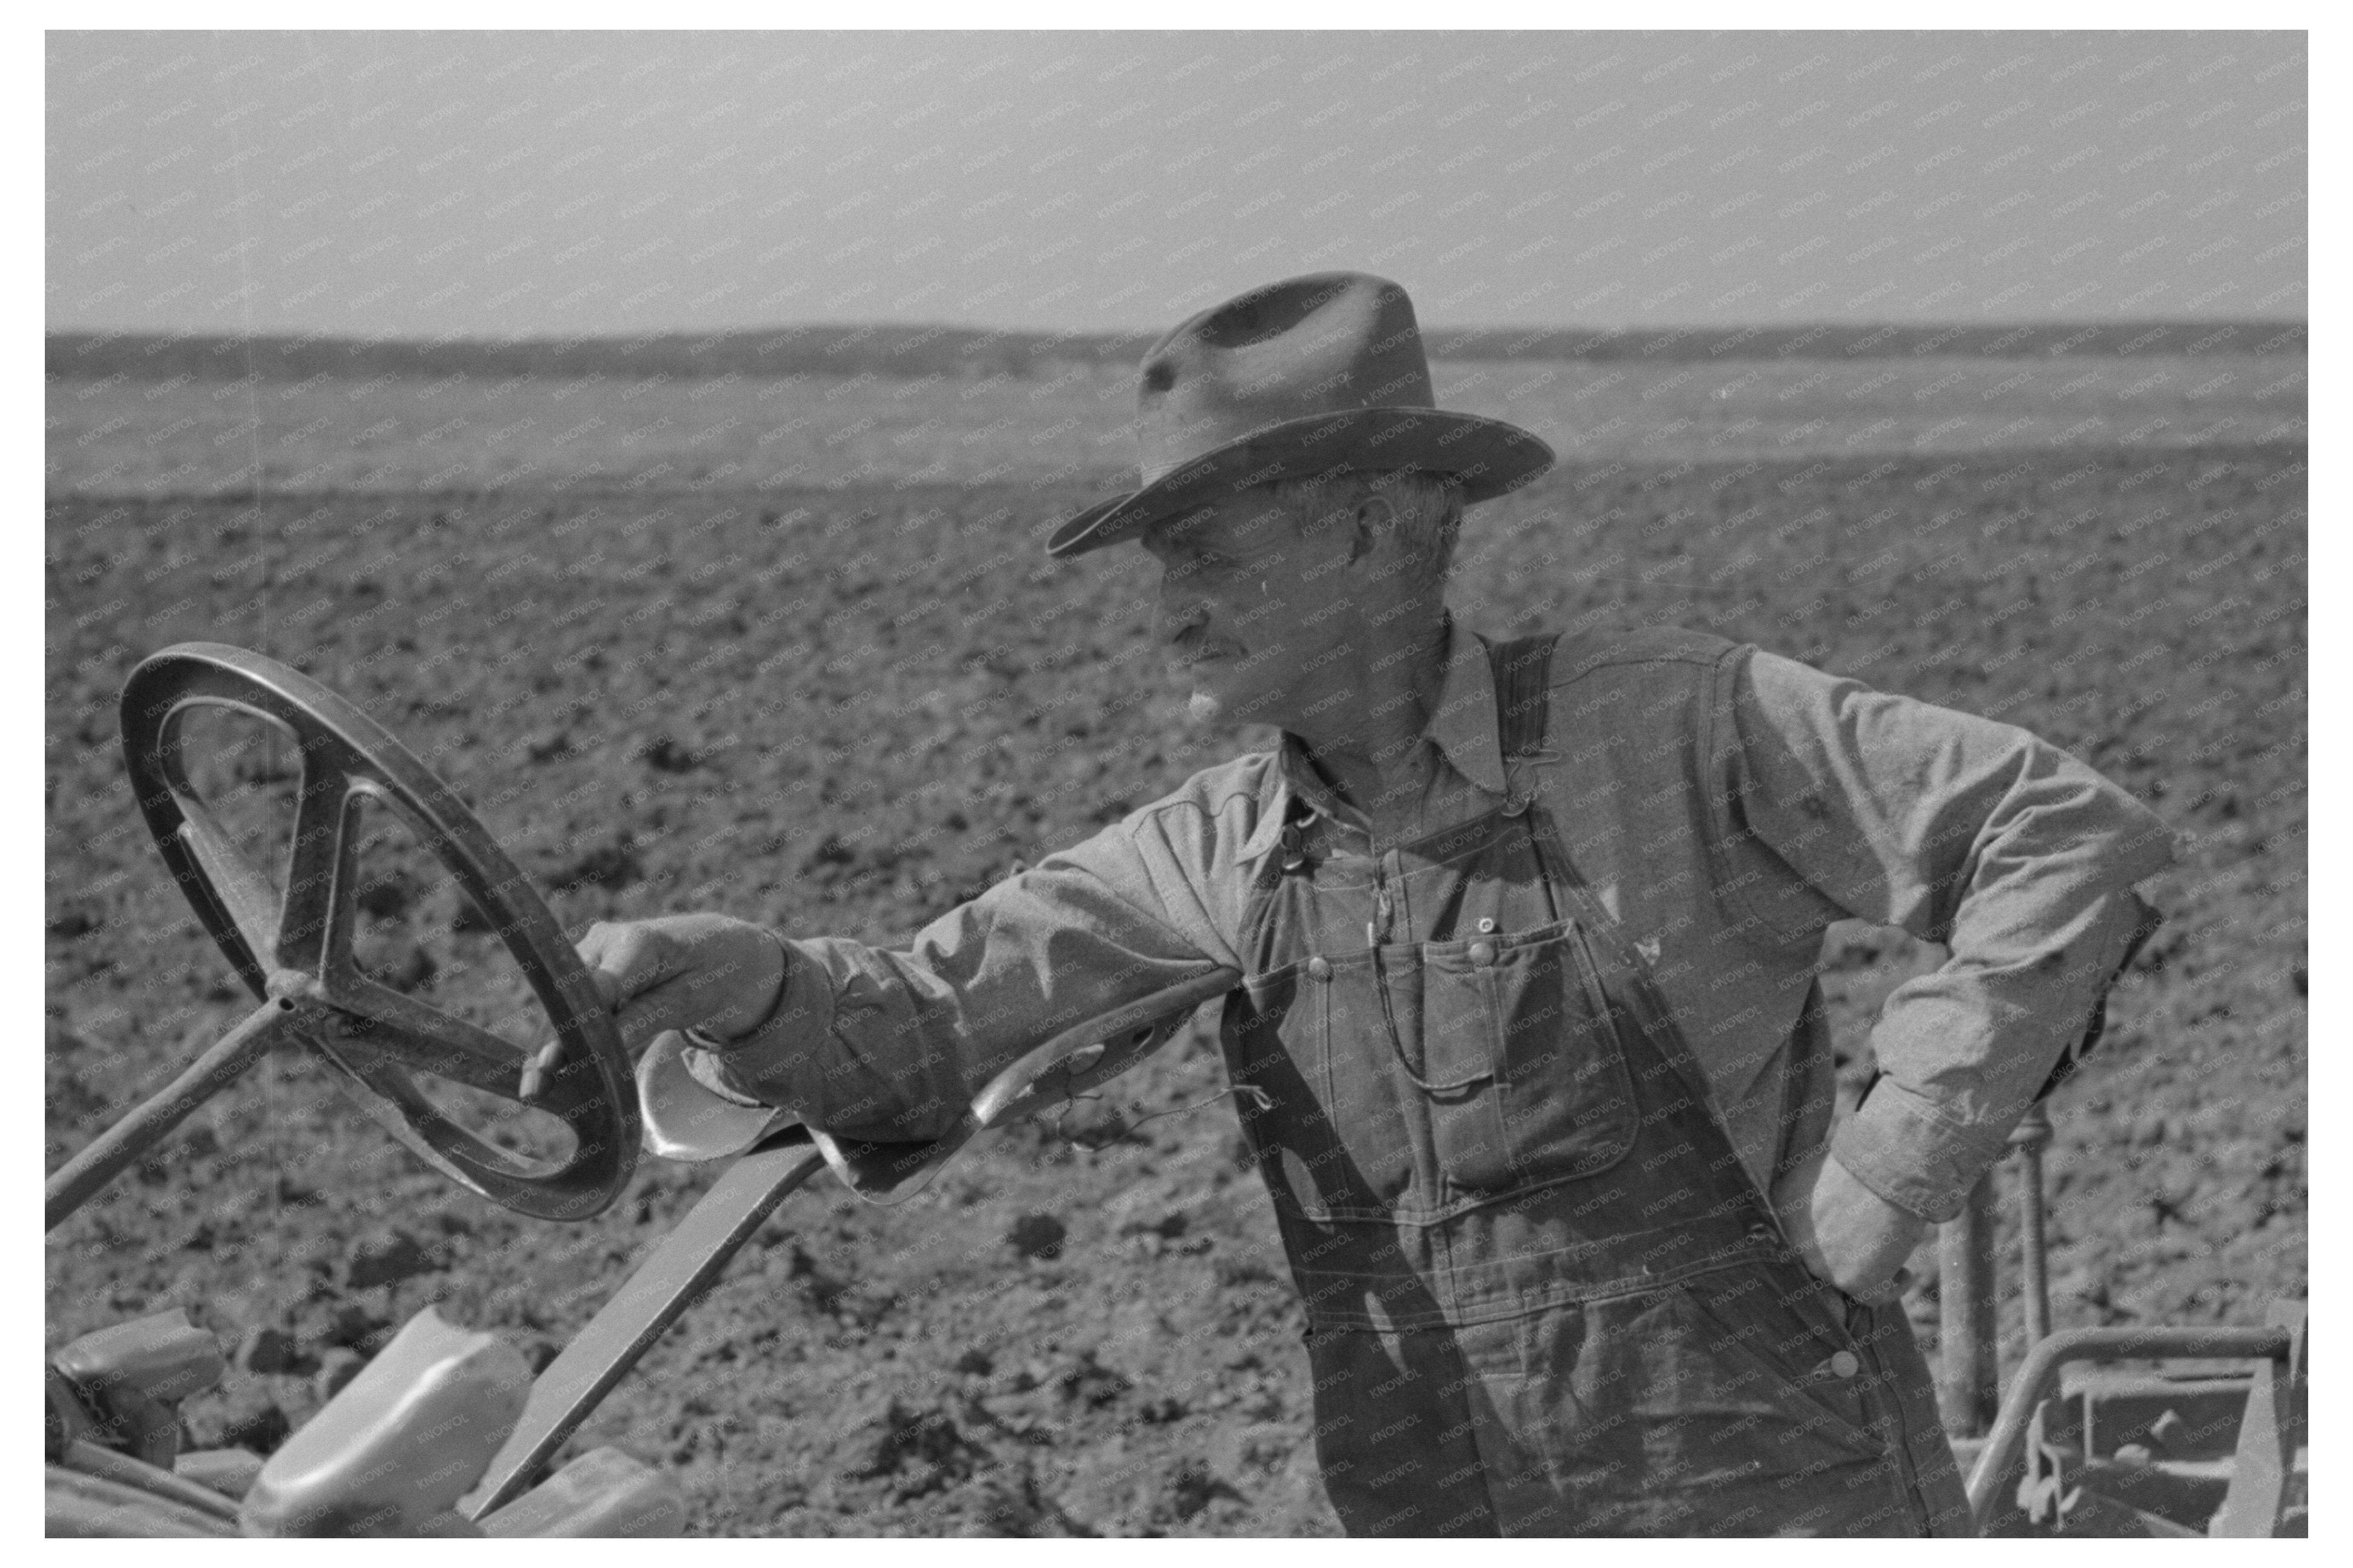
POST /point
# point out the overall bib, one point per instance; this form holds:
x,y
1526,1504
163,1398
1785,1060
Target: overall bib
x,y
1543,1295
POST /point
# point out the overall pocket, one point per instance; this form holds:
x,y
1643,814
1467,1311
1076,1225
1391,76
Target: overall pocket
x,y
1558,1102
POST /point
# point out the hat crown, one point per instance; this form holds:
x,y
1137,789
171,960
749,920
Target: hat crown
x,y
1330,343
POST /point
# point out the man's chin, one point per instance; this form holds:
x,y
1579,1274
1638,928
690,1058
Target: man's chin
x,y
1208,705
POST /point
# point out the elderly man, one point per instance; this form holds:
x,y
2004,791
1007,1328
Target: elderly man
x,y
1527,933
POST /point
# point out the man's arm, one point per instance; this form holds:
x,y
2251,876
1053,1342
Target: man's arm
x,y
892,1045
1972,834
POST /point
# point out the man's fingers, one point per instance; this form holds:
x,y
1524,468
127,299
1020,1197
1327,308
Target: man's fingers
x,y
542,1063
637,1023
622,960
591,947
652,1012
678,973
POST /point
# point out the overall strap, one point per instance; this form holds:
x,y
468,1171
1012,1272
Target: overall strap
x,y
1522,690
1523,693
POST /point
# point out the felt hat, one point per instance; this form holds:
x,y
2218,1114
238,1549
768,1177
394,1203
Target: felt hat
x,y
1316,375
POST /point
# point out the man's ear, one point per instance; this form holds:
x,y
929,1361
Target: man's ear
x,y
1375,517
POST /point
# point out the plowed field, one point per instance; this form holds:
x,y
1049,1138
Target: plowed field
x,y
843,706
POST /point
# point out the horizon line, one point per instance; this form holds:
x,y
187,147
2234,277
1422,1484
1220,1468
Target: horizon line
x,y
1675,328
900,350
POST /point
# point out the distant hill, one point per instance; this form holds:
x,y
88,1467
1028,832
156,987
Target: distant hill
x,y
918,351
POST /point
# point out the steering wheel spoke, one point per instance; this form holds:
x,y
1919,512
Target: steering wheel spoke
x,y
387,1096
381,1022
213,871
314,926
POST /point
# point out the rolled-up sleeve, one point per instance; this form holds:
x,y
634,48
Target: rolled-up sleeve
x,y
1963,831
894,1044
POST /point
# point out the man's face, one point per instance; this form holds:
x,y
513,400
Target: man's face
x,y
1254,612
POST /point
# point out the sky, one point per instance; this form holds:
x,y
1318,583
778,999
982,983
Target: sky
x,y
432,184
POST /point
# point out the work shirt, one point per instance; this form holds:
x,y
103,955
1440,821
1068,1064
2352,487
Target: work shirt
x,y
1724,804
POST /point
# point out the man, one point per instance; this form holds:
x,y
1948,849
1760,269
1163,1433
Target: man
x,y
1527,935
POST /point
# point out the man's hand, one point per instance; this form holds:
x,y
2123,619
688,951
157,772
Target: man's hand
x,y
711,972
1846,1233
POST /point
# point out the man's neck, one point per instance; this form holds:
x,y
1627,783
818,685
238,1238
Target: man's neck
x,y
1364,744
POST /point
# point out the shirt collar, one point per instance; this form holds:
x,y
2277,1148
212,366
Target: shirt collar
x,y
1462,728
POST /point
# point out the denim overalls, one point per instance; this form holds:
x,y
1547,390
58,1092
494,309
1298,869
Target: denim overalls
x,y
1543,1295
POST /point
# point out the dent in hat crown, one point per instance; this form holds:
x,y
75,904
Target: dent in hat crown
x,y
1326,343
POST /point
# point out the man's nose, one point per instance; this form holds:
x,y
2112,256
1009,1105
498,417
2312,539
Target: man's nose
x,y
1179,610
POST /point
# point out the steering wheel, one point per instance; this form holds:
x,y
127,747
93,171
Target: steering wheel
x,y
298,950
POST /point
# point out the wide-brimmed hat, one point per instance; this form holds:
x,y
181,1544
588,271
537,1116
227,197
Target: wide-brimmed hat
x,y
1316,375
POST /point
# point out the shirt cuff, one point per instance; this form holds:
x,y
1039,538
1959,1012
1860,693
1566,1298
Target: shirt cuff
x,y
763,1063
1903,1148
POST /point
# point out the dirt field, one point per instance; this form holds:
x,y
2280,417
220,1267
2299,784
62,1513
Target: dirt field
x,y
844,701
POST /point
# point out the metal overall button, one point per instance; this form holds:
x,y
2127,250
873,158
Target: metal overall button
x,y
1319,970
1481,953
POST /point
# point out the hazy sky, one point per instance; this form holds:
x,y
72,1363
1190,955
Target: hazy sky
x,y
606,183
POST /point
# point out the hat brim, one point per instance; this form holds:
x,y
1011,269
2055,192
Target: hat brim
x,y
1489,456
